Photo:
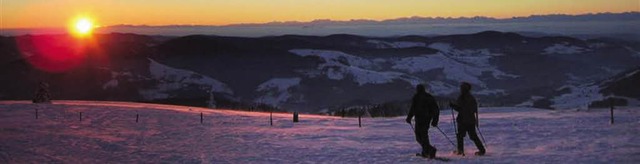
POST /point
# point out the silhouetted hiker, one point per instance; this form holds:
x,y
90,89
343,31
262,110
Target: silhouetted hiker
x,y
426,111
467,108
42,95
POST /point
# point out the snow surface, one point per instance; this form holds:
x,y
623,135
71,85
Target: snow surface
x,y
399,44
635,54
115,77
491,92
334,57
277,90
113,83
173,79
631,73
108,133
441,88
626,75
338,65
457,65
580,97
529,103
563,49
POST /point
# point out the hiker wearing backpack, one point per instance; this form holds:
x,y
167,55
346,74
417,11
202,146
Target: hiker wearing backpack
x,y
467,109
426,111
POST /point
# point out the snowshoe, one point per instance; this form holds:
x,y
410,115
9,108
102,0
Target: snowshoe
x,y
480,153
434,158
424,155
432,154
458,152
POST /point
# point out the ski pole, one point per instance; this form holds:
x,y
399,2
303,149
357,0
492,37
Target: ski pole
x,y
445,136
453,119
481,136
480,132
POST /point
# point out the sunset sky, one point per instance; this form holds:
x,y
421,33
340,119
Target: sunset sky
x,y
58,13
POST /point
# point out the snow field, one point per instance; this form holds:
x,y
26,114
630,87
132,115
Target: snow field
x,y
173,134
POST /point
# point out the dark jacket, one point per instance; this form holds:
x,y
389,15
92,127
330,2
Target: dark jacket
x,y
467,108
425,109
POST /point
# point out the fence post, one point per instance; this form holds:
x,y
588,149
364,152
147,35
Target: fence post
x,y
36,113
136,117
359,120
201,118
80,116
611,103
271,118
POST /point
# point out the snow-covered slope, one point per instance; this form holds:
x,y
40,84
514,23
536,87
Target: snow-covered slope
x,y
278,90
173,79
332,71
108,133
579,97
456,65
399,44
338,65
563,49
621,86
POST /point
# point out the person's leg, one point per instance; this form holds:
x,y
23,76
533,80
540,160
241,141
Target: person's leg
x,y
418,138
429,149
432,149
459,137
422,138
476,140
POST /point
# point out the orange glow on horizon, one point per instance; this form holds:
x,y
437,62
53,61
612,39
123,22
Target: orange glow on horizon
x,y
54,13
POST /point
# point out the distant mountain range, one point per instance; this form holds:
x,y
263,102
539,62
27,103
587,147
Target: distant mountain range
x,y
611,17
619,25
321,73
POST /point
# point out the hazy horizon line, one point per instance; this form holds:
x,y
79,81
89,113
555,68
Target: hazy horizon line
x,y
392,20
409,19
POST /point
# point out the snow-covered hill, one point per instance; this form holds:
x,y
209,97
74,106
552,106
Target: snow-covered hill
x,y
171,79
108,133
318,73
622,87
339,66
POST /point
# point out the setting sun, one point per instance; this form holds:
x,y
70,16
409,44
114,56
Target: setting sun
x,y
82,26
